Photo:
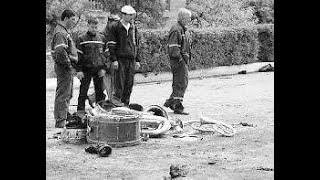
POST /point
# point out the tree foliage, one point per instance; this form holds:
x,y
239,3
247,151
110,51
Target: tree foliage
x,y
263,10
222,13
149,12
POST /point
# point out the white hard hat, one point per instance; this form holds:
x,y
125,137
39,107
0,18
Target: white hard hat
x,y
128,10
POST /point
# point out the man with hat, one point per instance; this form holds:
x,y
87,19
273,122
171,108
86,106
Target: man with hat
x,y
64,54
123,46
91,65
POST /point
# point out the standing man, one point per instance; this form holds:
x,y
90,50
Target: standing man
x,y
91,65
108,79
65,56
123,47
179,54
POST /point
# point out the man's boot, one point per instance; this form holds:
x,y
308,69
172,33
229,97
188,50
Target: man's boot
x,y
179,109
91,99
60,124
169,103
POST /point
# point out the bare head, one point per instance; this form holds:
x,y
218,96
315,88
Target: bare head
x,y
184,16
93,25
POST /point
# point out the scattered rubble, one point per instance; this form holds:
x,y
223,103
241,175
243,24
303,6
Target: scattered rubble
x,y
178,170
264,169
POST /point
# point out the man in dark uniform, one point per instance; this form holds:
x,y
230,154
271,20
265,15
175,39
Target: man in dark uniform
x,y
91,64
108,79
64,55
179,54
123,47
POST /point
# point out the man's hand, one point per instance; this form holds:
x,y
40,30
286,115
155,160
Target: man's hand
x,y
102,73
80,75
137,65
115,65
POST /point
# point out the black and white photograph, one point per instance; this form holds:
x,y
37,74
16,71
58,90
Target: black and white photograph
x,y
159,89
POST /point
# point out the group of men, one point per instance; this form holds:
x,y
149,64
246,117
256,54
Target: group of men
x,y
110,58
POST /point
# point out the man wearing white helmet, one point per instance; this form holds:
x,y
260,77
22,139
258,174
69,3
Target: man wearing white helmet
x,y
123,46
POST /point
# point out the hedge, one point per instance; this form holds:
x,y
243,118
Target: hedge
x,y
210,47
266,39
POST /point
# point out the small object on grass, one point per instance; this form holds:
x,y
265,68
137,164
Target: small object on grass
x,y
56,135
102,149
246,124
242,72
212,162
265,169
266,68
145,137
91,149
136,106
178,171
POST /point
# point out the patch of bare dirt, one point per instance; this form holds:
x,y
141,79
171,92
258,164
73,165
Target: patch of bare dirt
x,y
244,101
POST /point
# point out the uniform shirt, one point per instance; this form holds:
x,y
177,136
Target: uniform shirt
x,y
63,48
123,43
179,43
92,49
106,32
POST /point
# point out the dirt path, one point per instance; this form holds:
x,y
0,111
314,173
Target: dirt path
x,y
249,154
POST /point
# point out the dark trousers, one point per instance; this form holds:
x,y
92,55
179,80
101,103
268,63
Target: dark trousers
x,y
84,87
179,71
123,80
108,85
63,92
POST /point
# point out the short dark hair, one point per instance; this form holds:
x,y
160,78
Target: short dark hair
x,y
92,20
67,13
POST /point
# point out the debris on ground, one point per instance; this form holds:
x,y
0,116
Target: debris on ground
x,y
242,72
212,162
266,68
56,136
178,170
244,124
145,137
74,136
183,135
209,125
264,169
104,150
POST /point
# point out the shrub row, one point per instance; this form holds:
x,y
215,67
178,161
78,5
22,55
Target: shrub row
x,y
266,39
210,47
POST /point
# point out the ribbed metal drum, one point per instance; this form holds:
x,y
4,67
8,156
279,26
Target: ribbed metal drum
x,y
115,130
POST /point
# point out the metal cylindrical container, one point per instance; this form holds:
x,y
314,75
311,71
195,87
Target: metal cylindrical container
x,y
115,130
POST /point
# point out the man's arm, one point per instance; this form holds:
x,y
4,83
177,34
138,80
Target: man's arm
x,y
60,54
184,53
105,53
174,44
80,51
112,43
137,48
